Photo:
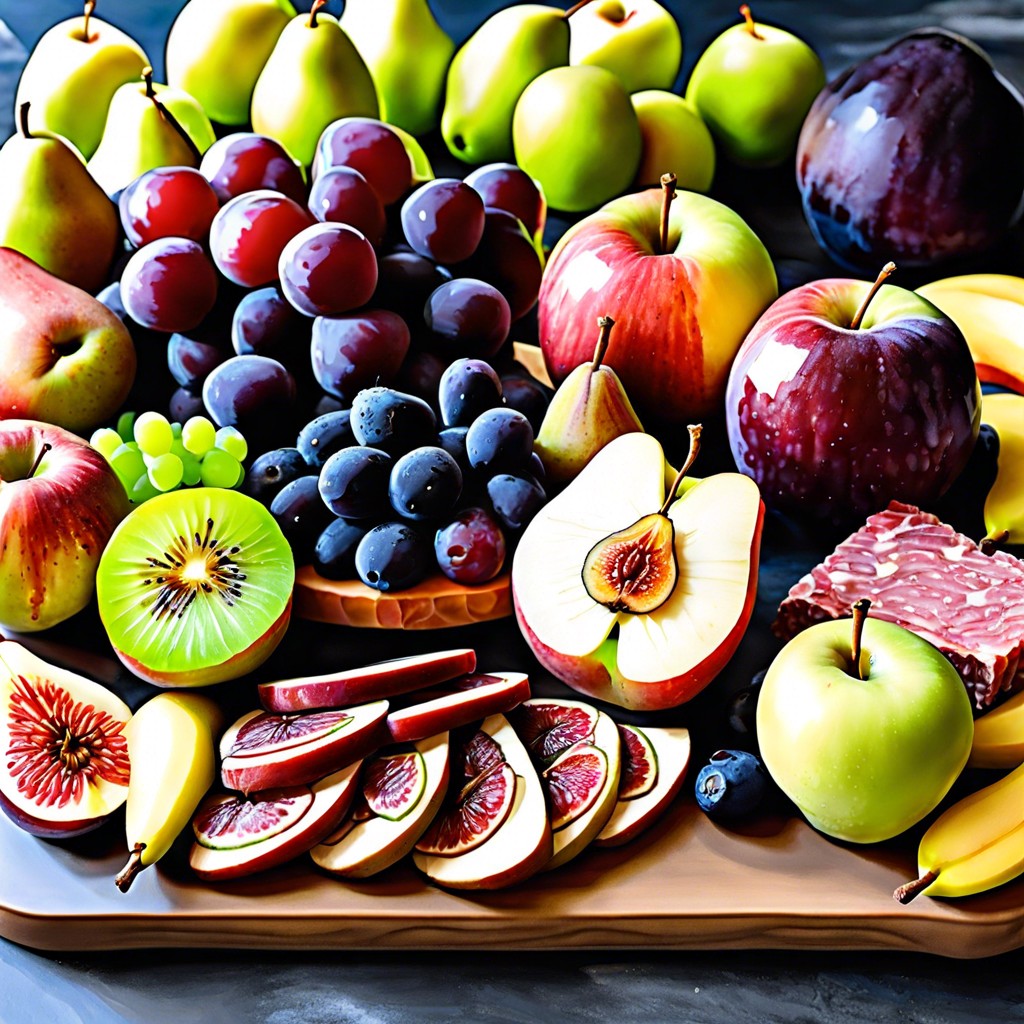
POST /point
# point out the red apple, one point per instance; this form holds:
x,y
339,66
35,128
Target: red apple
x,y
59,504
682,307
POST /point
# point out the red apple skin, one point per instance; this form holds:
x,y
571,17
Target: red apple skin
x,y
54,526
591,675
835,423
680,317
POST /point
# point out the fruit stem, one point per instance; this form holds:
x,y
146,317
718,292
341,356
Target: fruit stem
x,y
23,120
314,11
575,7
990,544
124,878
860,616
694,431
668,185
905,893
90,6
749,18
39,458
872,292
147,77
605,323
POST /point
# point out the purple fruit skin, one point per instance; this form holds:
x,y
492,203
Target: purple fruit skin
x,y
358,350
915,155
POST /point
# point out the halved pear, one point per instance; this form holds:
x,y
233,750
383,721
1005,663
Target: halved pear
x,y
661,658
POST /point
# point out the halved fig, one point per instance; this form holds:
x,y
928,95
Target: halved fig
x,y
359,685
465,700
633,816
365,846
65,765
639,763
547,727
634,570
393,784
266,751
254,834
574,781
522,845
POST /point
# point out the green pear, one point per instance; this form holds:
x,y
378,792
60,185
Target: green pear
x,y
575,132
589,409
52,211
407,53
489,74
71,77
314,76
217,48
676,141
149,126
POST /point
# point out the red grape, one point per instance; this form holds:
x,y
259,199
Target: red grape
x,y
190,359
265,324
169,285
471,548
342,195
328,269
444,220
353,352
245,161
468,318
507,187
245,389
370,147
167,202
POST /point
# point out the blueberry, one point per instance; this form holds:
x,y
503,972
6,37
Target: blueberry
x,y
733,784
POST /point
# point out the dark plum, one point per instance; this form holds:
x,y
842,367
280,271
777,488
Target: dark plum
x,y
245,162
527,396
453,441
301,515
184,404
393,556
444,220
320,438
191,359
247,392
372,148
500,441
169,285
741,712
264,324
334,556
357,351
471,548
328,269
166,202
515,499
467,317
405,280
272,470
733,785
425,484
420,375
354,482
392,420
508,187
342,195
467,388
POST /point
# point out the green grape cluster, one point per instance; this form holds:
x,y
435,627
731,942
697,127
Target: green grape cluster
x,y
151,455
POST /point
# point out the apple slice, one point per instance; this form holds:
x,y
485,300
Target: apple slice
x,y
371,682
522,844
465,700
267,751
238,835
361,848
633,815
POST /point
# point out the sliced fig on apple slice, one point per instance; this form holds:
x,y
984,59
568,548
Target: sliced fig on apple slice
x,y
371,682
238,835
634,815
367,846
639,763
267,751
465,700
491,759
547,727
393,784
64,766
574,781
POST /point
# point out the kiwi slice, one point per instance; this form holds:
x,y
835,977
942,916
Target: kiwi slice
x,y
195,587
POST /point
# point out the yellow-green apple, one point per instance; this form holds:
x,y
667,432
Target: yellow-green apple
x,y
676,140
67,358
753,86
676,578
682,304
59,504
864,732
847,395
637,40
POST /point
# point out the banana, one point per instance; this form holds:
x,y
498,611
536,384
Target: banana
x,y
172,750
1004,505
999,736
989,310
975,845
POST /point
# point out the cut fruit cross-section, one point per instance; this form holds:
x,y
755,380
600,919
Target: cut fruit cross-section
x,y
393,784
574,781
639,763
548,727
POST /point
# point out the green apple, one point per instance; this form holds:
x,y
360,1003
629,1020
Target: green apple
x,y
638,40
864,755
676,141
575,132
753,87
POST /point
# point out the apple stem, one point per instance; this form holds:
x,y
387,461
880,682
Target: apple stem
x,y
668,185
314,11
39,458
694,430
576,7
90,6
749,18
990,544
872,292
23,120
905,893
860,616
124,878
605,323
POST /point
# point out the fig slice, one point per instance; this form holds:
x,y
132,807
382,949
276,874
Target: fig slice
x,y
267,751
393,784
326,803
574,781
370,682
639,763
634,570
547,727
361,848
458,703
635,815
522,844
65,765
478,809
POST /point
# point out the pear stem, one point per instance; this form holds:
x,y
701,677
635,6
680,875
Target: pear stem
x,y
23,120
576,7
605,323
860,615
124,878
905,893
749,18
90,6
39,458
872,292
990,544
668,185
147,77
314,11
694,431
